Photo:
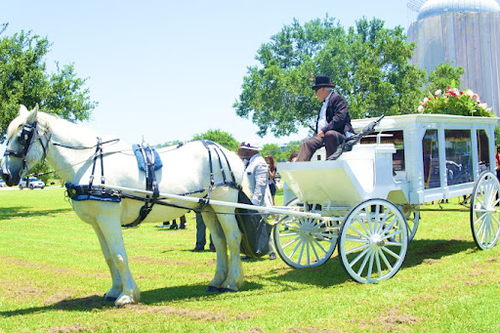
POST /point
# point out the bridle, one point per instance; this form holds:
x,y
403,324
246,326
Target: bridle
x,y
25,140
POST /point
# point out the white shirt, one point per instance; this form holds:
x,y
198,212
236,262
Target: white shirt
x,y
322,113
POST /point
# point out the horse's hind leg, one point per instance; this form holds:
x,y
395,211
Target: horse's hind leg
x,y
116,287
111,230
219,240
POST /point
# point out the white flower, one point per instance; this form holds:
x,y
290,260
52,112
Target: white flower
x,y
438,92
426,100
420,108
483,105
469,93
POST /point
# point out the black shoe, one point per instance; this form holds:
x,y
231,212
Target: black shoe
x,y
272,256
197,249
174,226
246,257
183,226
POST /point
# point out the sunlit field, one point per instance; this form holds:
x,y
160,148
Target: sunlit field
x,y
53,277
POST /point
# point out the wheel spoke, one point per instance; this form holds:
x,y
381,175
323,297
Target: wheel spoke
x,y
377,261
363,264
370,266
358,248
384,258
291,242
391,253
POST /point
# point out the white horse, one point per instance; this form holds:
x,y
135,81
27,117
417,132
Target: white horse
x,y
69,148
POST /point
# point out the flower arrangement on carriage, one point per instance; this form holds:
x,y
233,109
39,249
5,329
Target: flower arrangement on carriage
x,y
456,102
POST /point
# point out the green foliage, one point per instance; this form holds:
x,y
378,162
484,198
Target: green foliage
x,y
497,135
454,101
223,138
23,80
444,76
280,154
368,64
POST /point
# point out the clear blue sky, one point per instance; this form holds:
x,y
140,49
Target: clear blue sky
x,y
171,69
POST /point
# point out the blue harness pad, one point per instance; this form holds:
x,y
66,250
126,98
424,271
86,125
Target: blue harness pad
x,y
140,158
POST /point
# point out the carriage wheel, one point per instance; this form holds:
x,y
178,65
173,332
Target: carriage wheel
x,y
304,242
485,211
412,218
373,241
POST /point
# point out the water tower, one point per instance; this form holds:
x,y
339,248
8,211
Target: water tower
x,y
466,32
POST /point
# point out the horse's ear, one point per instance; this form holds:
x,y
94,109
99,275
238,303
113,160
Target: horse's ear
x,y
33,115
23,110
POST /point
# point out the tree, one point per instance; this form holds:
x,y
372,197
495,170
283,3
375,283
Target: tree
x,y
280,154
223,138
23,80
444,76
369,64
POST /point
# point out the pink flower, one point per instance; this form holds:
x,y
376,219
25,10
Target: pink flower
x,y
420,108
438,92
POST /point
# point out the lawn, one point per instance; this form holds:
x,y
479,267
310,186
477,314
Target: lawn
x,y
53,277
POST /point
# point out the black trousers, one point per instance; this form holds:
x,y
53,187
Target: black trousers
x,y
331,140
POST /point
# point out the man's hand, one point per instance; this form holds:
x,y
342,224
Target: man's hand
x,y
321,134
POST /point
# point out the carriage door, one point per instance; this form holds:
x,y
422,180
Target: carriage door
x,y
458,157
430,150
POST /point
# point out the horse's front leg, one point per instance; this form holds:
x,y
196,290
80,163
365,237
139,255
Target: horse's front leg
x,y
111,230
219,240
116,286
234,278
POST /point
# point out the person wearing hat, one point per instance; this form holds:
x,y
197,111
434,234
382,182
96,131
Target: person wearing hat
x,y
256,181
333,124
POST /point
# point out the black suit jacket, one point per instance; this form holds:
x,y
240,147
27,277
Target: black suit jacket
x,y
337,115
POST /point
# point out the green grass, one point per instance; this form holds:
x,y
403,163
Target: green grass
x,y
53,276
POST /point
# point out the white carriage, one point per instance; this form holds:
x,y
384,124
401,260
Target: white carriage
x,y
370,198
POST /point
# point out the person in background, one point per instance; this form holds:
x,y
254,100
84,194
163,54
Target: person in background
x,y
272,166
497,159
182,225
333,124
201,235
257,173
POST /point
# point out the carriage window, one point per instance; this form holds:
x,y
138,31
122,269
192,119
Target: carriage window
x,y
398,158
483,149
430,149
458,156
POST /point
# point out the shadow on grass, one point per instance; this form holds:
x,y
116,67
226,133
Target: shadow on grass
x,y
327,275
151,297
13,212
418,252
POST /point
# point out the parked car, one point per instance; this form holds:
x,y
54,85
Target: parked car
x,y
32,183
2,183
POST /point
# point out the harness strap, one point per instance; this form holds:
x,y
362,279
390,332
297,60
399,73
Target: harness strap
x,y
151,185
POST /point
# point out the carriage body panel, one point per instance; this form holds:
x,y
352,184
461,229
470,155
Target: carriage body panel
x,y
391,163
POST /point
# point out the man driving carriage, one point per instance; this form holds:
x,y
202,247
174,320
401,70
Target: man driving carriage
x,y
333,124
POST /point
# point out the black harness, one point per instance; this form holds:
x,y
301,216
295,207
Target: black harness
x,y
93,192
151,185
24,140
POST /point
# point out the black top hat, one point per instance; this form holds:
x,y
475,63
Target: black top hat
x,y
323,82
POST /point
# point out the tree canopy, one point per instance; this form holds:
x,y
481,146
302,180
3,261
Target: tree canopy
x,y
223,138
24,80
369,65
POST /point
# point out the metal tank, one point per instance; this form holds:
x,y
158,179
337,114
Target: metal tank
x,y
465,32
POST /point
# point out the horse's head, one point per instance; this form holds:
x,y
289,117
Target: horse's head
x,y
25,147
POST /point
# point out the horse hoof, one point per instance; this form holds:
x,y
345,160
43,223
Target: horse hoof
x,y
109,299
226,290
212,289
